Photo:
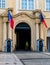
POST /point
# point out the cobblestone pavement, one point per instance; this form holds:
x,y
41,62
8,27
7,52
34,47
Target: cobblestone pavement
x,y
9,59
31,58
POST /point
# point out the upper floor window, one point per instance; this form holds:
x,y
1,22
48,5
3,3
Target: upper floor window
x,y
27,4
47,5
2,3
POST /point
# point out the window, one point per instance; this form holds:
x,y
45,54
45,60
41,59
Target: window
x,y
2,3
47,5
27,4
24,4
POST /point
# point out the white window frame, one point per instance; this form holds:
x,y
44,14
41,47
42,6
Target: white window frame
x,y
1,4
45,6
37,4
5,3
27,5
20,4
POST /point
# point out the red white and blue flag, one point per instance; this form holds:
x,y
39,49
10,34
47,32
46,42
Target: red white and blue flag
x,y
42,20
10,19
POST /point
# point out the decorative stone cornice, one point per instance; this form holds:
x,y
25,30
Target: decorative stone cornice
x,y
4,14
33,15
22,13
36,13
10,9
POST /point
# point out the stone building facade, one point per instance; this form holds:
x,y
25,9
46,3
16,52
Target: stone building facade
x,y
27,30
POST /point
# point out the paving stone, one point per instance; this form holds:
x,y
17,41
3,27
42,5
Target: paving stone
x,y
34,58
9,59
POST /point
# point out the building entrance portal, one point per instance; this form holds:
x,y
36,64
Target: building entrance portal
x,y
48,40
48,44
23,37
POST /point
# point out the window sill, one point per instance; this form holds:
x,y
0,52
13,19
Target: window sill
x,y
47,11
2,8
24,10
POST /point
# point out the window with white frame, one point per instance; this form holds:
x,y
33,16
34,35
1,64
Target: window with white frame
x,y
2,3
27,5
47,5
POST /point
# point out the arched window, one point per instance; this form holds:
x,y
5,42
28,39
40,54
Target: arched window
x,y
47,5
27,4
2,3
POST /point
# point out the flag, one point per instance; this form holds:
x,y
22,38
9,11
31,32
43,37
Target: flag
x,y
10,19
42,20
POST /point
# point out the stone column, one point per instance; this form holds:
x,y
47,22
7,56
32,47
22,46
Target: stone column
x,y
4,34
42,31
36,36
10,35
37,31
36,14
43,34
9,31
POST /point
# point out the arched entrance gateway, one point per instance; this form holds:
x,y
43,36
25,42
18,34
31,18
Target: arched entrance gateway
x,y
23,36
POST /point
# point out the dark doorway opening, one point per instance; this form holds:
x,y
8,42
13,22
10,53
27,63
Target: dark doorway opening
x,y
48,44
23,37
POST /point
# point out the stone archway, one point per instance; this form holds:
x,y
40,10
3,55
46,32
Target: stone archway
x,y
23,36
48,40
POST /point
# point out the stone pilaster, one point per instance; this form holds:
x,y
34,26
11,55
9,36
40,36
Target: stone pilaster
x,y
42,37
4,34
37,31
9,31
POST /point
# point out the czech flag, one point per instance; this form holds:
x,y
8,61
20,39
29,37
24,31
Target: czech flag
x,y
42,20
10,19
